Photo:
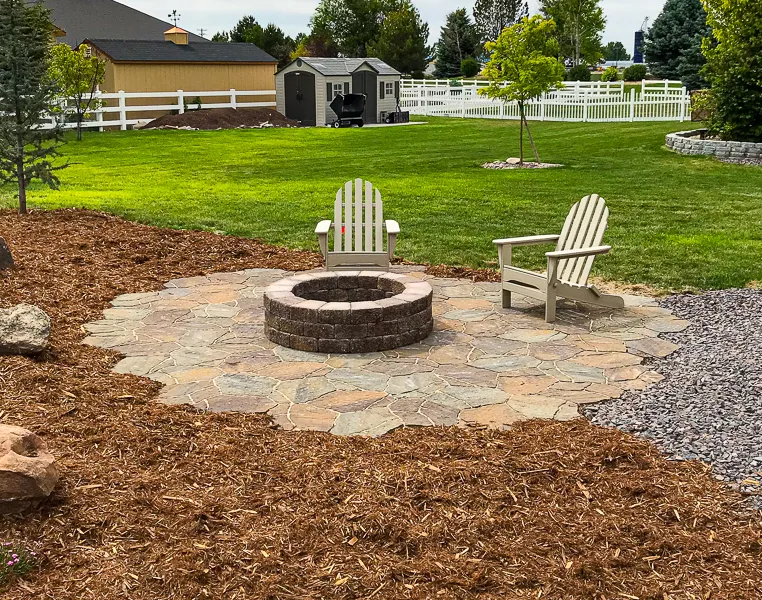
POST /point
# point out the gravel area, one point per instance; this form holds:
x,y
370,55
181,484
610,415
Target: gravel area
x,y
752,162
709,405
499,164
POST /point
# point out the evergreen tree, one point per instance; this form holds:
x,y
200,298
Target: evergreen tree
x,y
579,24
271,39
402,40
353,25
457,40
673,45
615,51
492,16
26,96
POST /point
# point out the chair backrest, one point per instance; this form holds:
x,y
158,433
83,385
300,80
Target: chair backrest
x,y
358,217
584,228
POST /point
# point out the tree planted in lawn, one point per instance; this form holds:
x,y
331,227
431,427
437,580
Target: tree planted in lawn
x,y
734,69
78,76
26,97
523,65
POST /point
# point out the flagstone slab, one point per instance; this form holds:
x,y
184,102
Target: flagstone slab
x,y
203,338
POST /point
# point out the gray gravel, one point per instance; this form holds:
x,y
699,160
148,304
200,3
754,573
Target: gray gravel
x,y
752,162
709,405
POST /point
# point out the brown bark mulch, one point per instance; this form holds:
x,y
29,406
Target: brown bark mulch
x,y
159,502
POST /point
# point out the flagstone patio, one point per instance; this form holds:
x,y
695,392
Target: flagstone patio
x,y
482,366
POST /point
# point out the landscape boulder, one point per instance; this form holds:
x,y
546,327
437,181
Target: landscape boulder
x,y
28,471
6,260
24,329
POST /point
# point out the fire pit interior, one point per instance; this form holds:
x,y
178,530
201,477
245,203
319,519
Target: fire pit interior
x,y
348,312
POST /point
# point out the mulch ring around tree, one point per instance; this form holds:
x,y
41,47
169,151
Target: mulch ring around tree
x,y
223,118
159,502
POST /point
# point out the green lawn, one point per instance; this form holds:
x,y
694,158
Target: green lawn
x,y
675,221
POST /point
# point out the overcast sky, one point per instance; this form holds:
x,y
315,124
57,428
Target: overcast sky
x,y
624,17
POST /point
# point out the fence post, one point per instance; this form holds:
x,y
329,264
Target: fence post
x,y
684,98
122,111
180,102
542,107
632,104
584,108
233,99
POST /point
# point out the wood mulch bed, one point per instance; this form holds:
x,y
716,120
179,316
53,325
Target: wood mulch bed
x,y
159,502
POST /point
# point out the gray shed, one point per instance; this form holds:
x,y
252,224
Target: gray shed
x,y
305,87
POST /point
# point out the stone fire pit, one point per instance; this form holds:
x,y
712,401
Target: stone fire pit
x,y
348,312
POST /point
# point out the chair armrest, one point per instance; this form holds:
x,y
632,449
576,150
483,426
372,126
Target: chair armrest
x,y
561,254
323,227
391,226
527,241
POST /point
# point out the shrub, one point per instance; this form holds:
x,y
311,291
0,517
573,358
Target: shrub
x,y
578,73
610,74
470,67
635,73
734,69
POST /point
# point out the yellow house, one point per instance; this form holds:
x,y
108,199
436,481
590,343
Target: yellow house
x,y
177,64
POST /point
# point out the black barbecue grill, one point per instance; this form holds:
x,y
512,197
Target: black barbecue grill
x,y
349,109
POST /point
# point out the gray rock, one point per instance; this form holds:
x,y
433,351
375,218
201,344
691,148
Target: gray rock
x,y
24,329
28,471
6,260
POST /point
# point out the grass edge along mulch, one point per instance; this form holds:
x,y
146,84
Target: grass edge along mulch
x,y
166,502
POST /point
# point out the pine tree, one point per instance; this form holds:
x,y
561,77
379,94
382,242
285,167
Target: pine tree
x,y
673,44
457,40
492,16
26,95
402,40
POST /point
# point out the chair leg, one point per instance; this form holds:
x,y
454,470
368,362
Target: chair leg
x,y
506,299
550,307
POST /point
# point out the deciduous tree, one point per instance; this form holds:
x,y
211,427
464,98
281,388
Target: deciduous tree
x,y
352,24
271,39
492,16
402,40
457,40
26,97
77,76
524,65
579,24
615,51
673,44
734,68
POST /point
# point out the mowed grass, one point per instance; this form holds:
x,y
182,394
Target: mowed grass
x,y
676,221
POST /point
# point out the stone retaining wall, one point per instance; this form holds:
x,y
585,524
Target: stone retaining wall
x,y
694,142
348,312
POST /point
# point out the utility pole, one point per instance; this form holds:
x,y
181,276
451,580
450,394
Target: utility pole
x,y
174,17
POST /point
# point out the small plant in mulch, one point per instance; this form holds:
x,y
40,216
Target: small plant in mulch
x,y
15,562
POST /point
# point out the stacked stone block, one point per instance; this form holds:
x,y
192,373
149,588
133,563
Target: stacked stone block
x,y
348,312
695,143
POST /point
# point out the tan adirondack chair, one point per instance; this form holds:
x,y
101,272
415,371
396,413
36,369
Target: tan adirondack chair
x,y
358,230
568,265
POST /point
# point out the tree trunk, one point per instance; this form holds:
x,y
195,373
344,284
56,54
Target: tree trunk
x,y
20,174
521,135
531,139
79,126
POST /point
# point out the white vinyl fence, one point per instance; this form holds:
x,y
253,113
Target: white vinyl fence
x,y
120,109
572,102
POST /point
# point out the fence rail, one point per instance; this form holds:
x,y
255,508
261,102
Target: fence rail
x,y
655,101
118,109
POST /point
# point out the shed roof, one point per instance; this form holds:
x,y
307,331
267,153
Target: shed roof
x,y
161,51
346,66
105,19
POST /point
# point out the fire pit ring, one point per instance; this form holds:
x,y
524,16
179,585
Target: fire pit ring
x,y
348,312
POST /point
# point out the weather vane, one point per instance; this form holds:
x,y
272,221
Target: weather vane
x,y
174,17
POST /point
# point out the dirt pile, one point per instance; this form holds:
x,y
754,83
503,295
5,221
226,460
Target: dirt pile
x,y
164,502
223,118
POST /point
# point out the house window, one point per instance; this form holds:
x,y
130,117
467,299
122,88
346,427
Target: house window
x,y
389,91
338,89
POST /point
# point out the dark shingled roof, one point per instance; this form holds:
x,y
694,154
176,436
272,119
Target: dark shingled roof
x,y
347,66
152,51
106,19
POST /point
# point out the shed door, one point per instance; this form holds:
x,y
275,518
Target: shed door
x,y
366,82
300,97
